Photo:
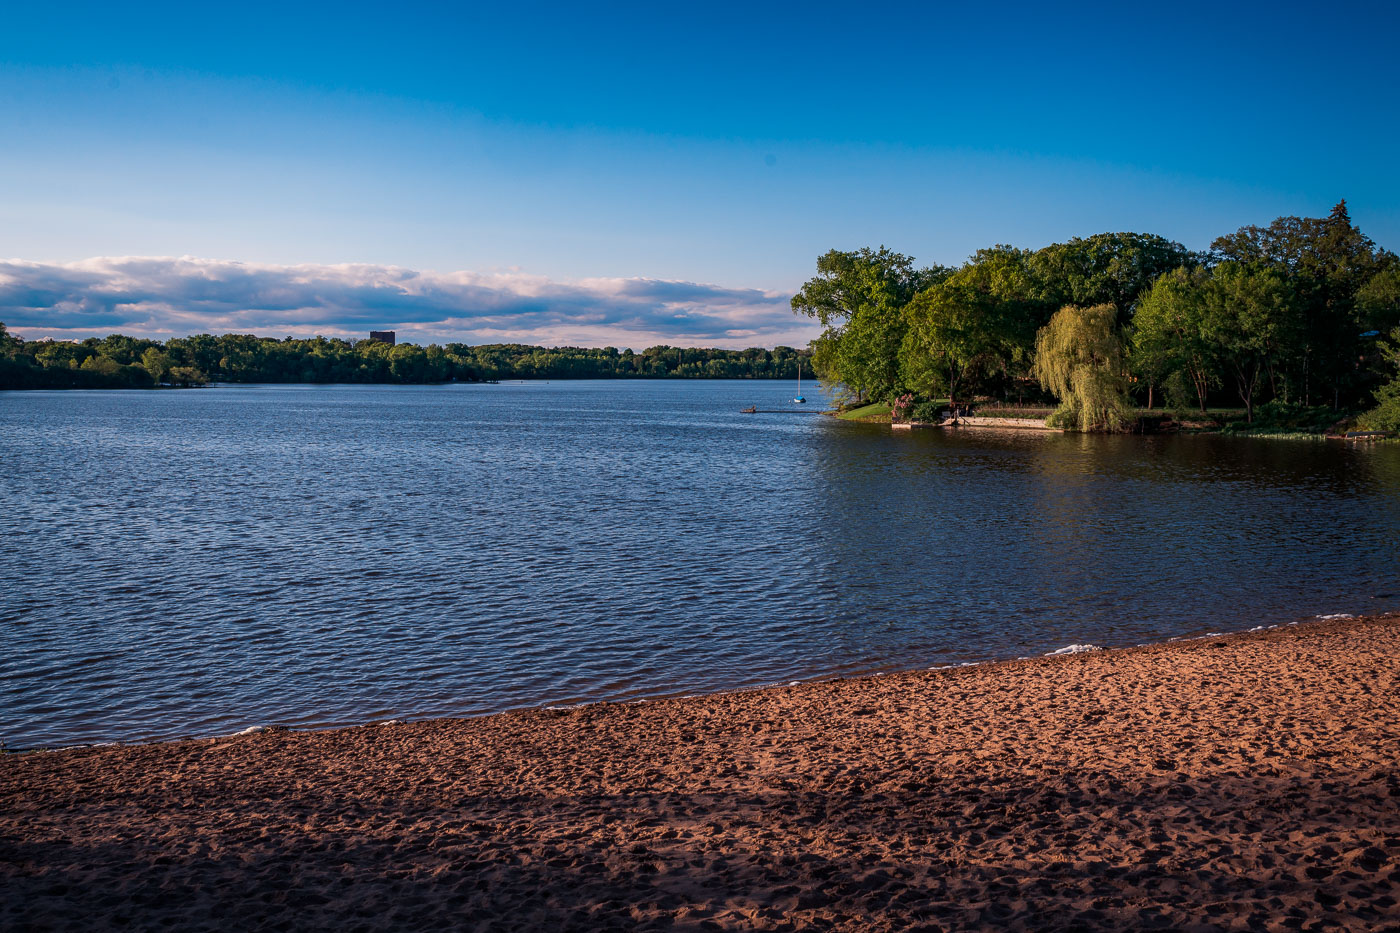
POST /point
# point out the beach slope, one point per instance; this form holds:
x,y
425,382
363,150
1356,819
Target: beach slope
x,y
1243,782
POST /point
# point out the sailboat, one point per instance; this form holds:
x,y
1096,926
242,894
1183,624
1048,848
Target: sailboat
x,y
799,399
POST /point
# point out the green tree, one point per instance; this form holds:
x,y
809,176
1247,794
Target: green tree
x,y
1079,357
1378,301
1386,415
1169,341
157,363
954,331
124,350
1324,262
1249,321
974,328
186,376
55,354
859,298
1107,268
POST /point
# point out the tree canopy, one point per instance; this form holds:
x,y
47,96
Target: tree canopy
x,y
127,362
859,298
1386,415
1290,312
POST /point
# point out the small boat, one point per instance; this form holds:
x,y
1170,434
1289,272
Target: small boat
x,y
800,400
751,410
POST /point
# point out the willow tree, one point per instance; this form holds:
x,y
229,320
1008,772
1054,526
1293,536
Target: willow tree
x,y
1079,357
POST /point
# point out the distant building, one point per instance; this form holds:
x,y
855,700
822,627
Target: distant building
x,y
383,336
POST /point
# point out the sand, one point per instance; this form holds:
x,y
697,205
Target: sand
x,y
1244,782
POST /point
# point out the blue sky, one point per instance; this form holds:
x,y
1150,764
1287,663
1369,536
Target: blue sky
x,y
501,157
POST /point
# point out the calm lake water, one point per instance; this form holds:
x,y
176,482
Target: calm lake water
x,y
196,562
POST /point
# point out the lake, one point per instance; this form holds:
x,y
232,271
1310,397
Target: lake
x,y
191,563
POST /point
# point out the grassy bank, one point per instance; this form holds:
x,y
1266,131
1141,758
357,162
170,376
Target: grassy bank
x,y
878,412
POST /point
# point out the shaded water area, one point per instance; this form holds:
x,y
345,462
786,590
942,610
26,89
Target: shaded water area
x,y
195,562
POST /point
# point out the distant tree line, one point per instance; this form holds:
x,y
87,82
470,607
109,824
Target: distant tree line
x,y
1304,312
131,362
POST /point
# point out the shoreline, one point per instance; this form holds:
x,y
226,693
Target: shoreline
x,y
1147,422
664,695
1244,780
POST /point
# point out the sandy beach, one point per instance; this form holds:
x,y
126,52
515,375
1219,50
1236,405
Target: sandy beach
x,y
1241,782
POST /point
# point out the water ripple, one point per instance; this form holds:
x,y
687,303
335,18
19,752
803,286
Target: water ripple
x,y
194,563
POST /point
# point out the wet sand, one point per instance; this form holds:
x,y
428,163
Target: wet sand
x,y
1244,782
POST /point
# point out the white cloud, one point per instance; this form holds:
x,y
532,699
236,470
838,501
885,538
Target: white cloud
x,y
167,297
